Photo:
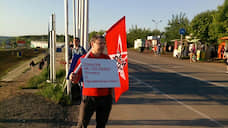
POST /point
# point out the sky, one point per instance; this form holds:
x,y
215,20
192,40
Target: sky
x,y
30,17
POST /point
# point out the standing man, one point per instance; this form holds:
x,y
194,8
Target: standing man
x,y
77,49
76,52
94,99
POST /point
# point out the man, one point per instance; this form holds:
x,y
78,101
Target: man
x,y
76,52
77,49
94,99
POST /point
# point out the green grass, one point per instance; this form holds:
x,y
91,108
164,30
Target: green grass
x,y
51,91
37,81
55,92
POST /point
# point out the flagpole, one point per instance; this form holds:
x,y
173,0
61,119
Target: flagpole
x,y
78,19
74,25
66,46
86,44
82,4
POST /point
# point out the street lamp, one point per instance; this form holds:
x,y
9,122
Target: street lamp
x,y
156,22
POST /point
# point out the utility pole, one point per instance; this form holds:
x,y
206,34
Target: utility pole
x,y
156,23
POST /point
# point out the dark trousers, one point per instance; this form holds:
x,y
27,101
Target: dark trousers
x,y
102,105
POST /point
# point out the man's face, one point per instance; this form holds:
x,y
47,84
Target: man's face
x,y
98,45
76,42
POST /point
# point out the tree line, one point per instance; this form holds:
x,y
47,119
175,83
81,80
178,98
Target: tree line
x,y
208,26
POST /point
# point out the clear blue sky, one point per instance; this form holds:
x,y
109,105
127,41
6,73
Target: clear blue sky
x,y
30,17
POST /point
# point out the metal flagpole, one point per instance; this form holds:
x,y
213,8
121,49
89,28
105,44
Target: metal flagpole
x,y
50,50
86,43
54,55
74,24
66,46
78,19
53,47
82,22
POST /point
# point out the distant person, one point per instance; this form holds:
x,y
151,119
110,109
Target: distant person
x,y
226,57
41,64
159,49
222,52
77,49
170,48
32,64
192,54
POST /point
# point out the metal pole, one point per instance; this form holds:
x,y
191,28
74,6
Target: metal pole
x,y
78,19
74,24
181,38
82,3
66,46
86,43
54,55
53,47
51,55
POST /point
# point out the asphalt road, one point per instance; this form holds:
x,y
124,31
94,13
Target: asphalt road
x,y
170,93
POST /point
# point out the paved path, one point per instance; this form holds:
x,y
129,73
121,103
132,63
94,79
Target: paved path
x,y
16,72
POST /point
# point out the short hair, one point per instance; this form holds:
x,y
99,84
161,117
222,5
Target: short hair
x,y
95,37
77,38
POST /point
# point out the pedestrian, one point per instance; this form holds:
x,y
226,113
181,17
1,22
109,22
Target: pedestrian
x,y
41,64
32,64
97,100
77,49
76,52
159,49
226,61
222,52
192,53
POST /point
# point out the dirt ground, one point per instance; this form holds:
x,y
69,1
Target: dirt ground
x,y
24,108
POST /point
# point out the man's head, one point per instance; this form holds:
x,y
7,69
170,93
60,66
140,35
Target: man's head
x,y
76,42
98,44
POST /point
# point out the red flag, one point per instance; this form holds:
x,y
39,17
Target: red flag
x,y
117,49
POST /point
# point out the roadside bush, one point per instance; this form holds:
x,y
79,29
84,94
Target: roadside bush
x,y
55,92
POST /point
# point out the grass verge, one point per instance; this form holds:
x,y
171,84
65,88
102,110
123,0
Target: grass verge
x,y
51,91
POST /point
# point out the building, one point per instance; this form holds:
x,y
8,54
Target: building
x,y
139,43
21,43
44,44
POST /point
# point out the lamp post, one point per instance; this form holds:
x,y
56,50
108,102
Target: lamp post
x,y
156,22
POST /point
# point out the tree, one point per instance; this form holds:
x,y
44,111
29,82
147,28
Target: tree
x,y
200,25
136,33
93,33
155,32
174,25
219,27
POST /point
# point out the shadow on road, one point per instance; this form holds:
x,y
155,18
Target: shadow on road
x,y
171,84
